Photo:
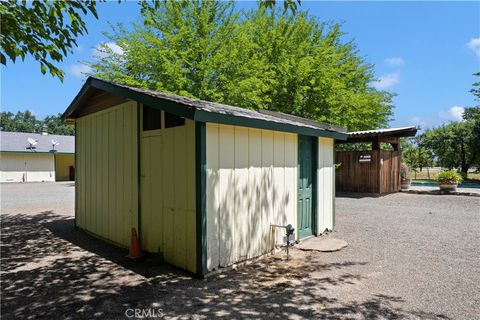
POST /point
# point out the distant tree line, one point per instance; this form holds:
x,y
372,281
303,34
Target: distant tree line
x,y
25,121
455,145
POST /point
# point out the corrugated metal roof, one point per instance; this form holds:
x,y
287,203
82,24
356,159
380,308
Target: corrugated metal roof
x,y
383,131
17,142
205,111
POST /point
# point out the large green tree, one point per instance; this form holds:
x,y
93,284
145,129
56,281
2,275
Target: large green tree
x,y
415,156
45,30
264,59
453,145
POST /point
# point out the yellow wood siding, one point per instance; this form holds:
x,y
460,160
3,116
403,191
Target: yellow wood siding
x,y
62,166
168,194
107,182
251,183
325,192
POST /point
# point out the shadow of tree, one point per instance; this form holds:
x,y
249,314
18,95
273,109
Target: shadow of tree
x,y
52,270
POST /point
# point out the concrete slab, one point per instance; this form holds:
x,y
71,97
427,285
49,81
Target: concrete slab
x,y
322,244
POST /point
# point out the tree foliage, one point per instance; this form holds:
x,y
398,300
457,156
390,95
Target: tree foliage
x,y
414,156
46,30
25,121
263,59
453,145
476,88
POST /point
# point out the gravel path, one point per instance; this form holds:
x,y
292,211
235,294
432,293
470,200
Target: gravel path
x,y
409,256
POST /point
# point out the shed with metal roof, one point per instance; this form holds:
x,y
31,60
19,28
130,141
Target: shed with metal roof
x,y
205,185
376,170
34,157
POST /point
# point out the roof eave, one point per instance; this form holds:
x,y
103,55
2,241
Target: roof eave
x,y
194,113
204,116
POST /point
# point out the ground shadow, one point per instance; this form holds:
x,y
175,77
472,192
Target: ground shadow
x,y
52,270
357,195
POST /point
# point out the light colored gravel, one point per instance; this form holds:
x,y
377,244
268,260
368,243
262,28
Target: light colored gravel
x,y
409,256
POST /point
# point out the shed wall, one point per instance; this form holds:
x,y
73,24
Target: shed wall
x,y
26,167
62,166
251,183
325,185
168,218
106,177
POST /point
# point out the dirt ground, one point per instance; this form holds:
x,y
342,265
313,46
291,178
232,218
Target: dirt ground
x,y
404,261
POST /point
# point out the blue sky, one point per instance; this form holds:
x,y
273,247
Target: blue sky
x,y
425,52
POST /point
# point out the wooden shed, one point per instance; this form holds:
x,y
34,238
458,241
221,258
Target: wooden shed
x,y
203,183
373,171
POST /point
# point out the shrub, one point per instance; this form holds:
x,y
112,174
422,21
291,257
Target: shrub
x,y
449,176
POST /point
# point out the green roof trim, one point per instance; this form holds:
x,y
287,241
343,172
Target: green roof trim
x,y
204,111
263,124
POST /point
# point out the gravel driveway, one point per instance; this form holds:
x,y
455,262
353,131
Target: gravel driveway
x,y
410,256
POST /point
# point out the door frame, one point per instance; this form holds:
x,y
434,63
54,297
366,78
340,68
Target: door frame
x,y
314,226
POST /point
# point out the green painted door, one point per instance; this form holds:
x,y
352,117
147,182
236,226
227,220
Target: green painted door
x,y
305,186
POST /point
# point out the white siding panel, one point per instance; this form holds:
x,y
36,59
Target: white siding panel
x,y
24,167
255,191
325,176
251,184
226,194
212,205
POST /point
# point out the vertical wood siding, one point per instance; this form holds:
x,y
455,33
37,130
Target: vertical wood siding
x,y
167,189
379,175
325,185
251,183
106,173
62,166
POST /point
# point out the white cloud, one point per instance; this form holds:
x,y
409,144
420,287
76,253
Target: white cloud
x,y
395,61
386,81
474,45
79,70
455,113
101,52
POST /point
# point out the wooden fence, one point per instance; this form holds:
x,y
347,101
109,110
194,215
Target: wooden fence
x,y
371,171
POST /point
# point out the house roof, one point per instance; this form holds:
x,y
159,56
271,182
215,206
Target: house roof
x,y
394,132
205,111
17,142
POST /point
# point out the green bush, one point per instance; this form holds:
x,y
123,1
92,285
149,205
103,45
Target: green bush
x,y
449,176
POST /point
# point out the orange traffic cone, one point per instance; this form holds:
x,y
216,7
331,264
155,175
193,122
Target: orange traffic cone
x,y
135,249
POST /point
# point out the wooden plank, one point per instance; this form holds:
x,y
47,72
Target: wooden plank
x,y
190,220
267,187
255,191
112,204
226,184
241,217
212,197
180,188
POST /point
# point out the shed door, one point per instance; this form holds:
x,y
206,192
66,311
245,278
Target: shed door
x,y
306,186
151,180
